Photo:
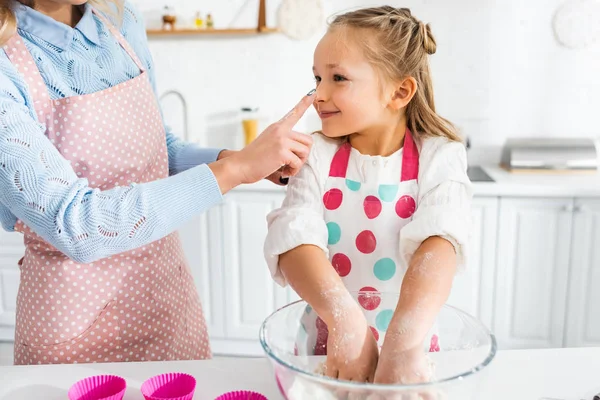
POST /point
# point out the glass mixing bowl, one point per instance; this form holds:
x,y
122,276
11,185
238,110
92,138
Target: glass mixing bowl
x,y
460,359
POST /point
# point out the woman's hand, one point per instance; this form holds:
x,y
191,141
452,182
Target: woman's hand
x,y
276,148
276,177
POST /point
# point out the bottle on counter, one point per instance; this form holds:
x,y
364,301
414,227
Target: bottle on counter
x,y
250,124
209,21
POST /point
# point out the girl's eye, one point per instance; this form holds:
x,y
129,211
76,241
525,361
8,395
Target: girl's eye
x,y
338,78
317,79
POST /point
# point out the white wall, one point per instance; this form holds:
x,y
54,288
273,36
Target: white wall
x,y
498,72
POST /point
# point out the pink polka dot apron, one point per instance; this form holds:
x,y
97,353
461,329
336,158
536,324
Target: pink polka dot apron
x,y
140,305
364,220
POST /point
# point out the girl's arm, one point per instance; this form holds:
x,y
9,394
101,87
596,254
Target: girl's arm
x,y
425,288
313,278
433,246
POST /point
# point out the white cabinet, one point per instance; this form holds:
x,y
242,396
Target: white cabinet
x,y
534,245
11,251
473,288
583,312
225,251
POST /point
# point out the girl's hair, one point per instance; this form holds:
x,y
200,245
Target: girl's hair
x,y
398,46
8,22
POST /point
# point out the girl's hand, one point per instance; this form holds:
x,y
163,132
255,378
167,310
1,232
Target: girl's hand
x,y
398,365
352,351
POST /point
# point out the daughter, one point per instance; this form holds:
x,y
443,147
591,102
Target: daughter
x,y
382,205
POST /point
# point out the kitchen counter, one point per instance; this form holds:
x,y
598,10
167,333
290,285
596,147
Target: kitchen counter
x,y
507,184
569,374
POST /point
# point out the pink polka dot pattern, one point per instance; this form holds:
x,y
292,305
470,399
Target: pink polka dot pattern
x,y
141,305
366,242
405,207
342,264
332,199
369,298
372,206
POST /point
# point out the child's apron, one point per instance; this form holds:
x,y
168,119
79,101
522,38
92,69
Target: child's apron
x,y
364,220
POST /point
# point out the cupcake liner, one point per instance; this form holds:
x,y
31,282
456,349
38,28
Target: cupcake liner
x,y
172,386
241,395
99,387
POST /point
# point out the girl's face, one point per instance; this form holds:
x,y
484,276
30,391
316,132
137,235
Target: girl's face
x,y
349,96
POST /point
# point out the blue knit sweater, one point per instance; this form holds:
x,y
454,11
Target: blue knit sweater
x,y
77,61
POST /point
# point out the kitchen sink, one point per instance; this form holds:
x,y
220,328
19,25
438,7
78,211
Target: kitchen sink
x,y
477,174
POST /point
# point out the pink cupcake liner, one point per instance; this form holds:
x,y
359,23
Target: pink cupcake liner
x,y
241,395
100,387
172,386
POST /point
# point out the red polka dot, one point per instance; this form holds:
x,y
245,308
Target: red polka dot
x,y
405,207
372,206
366,242
332,199
375,332
320,324
322,336
342,264
369,298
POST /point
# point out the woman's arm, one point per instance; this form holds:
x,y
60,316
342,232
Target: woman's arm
x,y
40,188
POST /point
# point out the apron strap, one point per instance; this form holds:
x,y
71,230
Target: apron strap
x,y
410,159
21,58
122,41
339,164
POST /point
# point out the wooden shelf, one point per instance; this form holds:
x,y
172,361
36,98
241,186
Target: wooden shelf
x,y
214,32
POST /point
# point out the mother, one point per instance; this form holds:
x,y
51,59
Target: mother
x,y
97,185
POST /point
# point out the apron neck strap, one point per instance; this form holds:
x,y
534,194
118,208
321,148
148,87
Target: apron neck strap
x,y
21,58
122,41
410,160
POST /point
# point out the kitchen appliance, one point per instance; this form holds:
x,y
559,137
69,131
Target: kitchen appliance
x,y
565,155
466,349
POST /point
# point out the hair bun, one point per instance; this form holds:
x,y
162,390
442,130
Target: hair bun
x,y
429,43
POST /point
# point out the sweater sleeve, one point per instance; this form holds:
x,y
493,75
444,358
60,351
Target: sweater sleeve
x,y
72,216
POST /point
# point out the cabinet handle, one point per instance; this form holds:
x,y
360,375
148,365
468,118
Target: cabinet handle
x,y
568,208
581,209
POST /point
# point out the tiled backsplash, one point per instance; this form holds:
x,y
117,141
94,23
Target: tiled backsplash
x,y
498,71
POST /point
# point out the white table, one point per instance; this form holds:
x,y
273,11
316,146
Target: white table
x,y
569,374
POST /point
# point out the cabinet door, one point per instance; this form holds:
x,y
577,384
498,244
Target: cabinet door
x,y
11,251
473,287
583,314
532,270
250,292
202,243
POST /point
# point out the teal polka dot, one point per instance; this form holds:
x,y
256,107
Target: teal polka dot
x,y
353,185
335,233
308,309
388,192
382,321
384,269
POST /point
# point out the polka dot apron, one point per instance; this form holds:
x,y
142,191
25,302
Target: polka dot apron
x,y
141,305
364,220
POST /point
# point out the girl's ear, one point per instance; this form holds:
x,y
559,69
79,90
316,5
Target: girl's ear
x,y
403,93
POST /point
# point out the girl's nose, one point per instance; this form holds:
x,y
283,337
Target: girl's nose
x,y
321,95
